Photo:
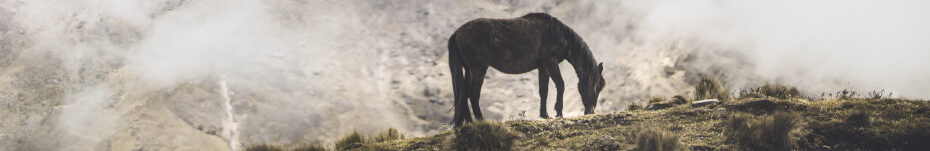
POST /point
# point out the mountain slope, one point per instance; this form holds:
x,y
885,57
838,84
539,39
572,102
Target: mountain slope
x,y
821,125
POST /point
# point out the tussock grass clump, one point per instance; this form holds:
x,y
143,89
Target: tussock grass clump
x,y
482,135
389,135
859,118
771,90
353,140
765,133
311,147
709,88
656,140
264,147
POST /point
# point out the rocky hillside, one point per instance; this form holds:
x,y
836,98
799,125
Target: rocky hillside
x,y
85,75
222,74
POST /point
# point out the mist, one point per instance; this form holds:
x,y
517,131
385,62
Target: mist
x,y
818,45
118,75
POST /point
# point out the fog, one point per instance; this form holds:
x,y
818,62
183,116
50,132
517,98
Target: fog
x,y
818,45
122,75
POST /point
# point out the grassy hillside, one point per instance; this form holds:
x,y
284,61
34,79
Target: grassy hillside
x,y
769,117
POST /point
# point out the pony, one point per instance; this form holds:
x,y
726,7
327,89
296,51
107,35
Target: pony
x,y
516,46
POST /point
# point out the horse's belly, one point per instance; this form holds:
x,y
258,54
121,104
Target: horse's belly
x,y
516,67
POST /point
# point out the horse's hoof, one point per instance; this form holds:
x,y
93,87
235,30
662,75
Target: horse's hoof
x,y
544,116
558,116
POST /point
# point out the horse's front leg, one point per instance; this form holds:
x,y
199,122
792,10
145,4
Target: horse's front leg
x,y
476,79
543,91
556,76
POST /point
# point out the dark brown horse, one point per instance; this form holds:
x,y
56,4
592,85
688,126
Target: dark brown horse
x,y
519,45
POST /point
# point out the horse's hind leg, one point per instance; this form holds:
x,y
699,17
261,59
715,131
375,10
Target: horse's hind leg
x,y
460,103
556,76
476,79
543,91
459,88
466,113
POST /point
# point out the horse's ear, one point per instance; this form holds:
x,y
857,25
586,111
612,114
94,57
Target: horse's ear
x,y
600,67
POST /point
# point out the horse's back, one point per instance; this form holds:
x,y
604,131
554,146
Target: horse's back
x,y
509,45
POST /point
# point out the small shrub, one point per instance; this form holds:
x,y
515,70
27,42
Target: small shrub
x,y
353,140
264,147
738,128
766,133
846,94
389,135
859,118
311,147
709,88
634,106
482,135
875,94
771,90
777,131
656,140
656,99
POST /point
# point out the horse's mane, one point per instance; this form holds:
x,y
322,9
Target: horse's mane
x,y
559,29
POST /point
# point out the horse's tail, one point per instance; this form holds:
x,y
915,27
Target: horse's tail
x,y
458,82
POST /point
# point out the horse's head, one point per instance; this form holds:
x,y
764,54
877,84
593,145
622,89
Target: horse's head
x,y
590,86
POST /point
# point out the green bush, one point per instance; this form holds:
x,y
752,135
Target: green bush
x,y
765,133
389,135
709,88
353,140
482,135
656,140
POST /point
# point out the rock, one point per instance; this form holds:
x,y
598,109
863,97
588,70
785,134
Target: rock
x,y
431,91
676,100
679,99
661,105
704,102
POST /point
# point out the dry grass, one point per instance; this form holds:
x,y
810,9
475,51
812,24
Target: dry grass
x,y
312,147
771,90
651,139
353,140
768,123
482,135
859,118
264,147
709,88
389,135
763,133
